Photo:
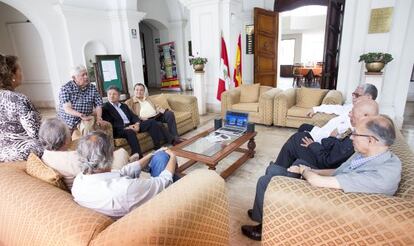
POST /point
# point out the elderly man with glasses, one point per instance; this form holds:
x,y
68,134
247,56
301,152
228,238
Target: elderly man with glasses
x,y
372,169
340,124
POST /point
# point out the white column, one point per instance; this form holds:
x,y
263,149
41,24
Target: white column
x,y
123,21
199,88
205,39
176,32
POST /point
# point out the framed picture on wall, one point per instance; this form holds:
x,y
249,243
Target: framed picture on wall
x,y
110,71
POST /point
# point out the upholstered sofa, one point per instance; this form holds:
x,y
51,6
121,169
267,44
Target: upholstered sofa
x,y
254,99
291,106
298,213
192,211
186,115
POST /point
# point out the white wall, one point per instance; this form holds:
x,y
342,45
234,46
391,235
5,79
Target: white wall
x,y
21,38
310,32
398,42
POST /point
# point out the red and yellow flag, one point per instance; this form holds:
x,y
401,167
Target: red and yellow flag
x,y
237,74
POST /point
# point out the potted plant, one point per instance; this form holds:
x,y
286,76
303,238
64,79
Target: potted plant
x,y
198,63
375,61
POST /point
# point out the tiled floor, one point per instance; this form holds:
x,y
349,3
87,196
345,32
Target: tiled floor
x,y
241,184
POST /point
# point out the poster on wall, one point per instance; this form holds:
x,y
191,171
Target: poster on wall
x,y
169,77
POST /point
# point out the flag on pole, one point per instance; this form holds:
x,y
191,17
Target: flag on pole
x,y
237,75
224,74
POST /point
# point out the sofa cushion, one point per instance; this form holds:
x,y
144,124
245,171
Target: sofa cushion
x,y
181,116
249,93
249,107
160,100
307,98
296,111
36,168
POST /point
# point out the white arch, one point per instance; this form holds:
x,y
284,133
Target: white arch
x,y
45,36
92,48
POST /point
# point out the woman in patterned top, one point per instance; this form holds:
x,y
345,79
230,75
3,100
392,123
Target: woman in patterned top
x,y
19,120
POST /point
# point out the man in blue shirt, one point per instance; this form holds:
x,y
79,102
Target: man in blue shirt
x,y
372,169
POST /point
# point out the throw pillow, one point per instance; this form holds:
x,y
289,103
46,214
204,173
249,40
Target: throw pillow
x,y
307,98
36,168
249,93
160,100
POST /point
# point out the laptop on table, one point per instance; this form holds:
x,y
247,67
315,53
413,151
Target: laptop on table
x,y
235,123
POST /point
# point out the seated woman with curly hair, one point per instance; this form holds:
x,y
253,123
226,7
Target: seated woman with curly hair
x,y
19,120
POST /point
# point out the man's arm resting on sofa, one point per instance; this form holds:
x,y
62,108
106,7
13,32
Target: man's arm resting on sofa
x,y
318,180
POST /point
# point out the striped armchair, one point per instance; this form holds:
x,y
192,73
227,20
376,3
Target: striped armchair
x,y
298,213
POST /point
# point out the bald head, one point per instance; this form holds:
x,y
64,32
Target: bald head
x,y
363,108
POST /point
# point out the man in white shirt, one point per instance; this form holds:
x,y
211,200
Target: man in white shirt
x,y
55,138
145,109
117,193
339,125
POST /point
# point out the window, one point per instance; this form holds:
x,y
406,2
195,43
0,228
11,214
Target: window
x,y
287,52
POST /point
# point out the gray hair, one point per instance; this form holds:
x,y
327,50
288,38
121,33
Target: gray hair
x,y
370,89
76,70
53,134
95,152
383,128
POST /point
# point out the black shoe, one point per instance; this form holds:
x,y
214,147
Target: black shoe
x,y
250,213
177,140
252,232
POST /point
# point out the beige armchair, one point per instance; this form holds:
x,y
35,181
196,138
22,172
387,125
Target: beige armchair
x,y
186,115
291,106
298,213
254,99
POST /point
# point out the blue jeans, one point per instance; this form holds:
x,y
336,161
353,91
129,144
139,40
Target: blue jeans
x,y
158,163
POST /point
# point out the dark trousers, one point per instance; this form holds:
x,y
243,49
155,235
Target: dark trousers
x,y
151,126
292,150
262,183
169,118
305,127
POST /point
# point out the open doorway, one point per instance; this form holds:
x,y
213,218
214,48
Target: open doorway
x,y
300,53
152,33
19,37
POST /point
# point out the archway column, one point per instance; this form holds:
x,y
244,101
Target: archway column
x,y
123,22
176,32
209,19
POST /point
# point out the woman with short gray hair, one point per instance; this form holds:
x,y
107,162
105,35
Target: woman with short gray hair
x,y
56,140
116,193
54,135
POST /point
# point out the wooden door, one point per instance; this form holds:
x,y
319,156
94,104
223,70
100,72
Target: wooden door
x,y
266,32
333,30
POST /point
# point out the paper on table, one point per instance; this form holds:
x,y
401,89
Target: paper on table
x,y
109,70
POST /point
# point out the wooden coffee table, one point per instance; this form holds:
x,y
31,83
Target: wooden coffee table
x,y
199,149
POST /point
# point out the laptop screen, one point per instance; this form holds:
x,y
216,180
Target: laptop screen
x,y
236,119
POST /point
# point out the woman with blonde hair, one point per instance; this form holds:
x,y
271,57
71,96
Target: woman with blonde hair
x,y
19,120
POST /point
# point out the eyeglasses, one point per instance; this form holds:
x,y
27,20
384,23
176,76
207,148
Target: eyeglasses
x,y
364,135
356,95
